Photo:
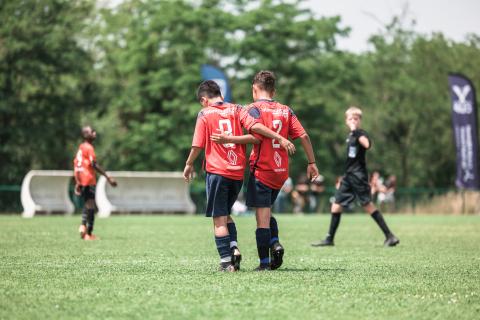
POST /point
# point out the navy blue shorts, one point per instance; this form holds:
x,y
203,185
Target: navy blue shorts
x,y
260,195
221,194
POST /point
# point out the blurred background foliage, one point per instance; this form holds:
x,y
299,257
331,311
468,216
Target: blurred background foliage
x,y
131,72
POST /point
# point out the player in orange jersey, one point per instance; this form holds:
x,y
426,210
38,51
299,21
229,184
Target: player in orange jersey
x,y
85,165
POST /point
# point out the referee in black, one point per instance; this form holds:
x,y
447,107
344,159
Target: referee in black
x,y
355,183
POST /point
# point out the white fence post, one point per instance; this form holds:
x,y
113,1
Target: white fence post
x,y
46,190
139,191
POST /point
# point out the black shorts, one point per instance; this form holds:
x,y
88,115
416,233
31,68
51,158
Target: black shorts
x,y
88,192
260,195
351,187
221,194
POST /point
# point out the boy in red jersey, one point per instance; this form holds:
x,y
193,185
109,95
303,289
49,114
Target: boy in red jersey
x,y
225,164
269,165
85,165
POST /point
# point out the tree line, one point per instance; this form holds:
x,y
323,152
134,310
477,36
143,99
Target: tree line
x,y
132,71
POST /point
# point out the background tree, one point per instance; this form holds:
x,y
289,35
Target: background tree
x,y
46,82
406,97
132,71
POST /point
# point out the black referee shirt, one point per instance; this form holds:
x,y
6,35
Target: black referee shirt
x,y
356,153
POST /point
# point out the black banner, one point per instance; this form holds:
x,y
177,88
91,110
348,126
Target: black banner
x,y
464,120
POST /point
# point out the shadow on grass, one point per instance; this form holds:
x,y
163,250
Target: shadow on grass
x,y
310,270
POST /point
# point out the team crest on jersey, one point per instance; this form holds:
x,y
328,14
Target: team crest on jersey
x,y
352,151
232,157
278,159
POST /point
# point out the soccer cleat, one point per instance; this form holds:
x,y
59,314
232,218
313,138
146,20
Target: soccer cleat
x,y
324,243
226,267
263,267
82,230
276,253
391,241
236,258
90,237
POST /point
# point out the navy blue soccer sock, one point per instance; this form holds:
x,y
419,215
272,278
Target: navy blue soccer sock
x,y
90,220
274,230
263,236
232,230
223,247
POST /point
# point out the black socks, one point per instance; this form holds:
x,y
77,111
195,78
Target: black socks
x,y
377,216
334,222
90,220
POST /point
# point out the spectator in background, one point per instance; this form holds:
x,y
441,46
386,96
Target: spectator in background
x,y
386,197
376,185
300,194
317,187
283,199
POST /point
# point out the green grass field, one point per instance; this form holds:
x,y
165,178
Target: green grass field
x,y
164,267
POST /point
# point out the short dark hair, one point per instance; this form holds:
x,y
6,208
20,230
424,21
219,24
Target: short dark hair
x,y
265,80
209,89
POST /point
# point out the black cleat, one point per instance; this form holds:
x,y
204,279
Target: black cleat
x,y
391,241
236,258
226,267
263,267
276,253
324,243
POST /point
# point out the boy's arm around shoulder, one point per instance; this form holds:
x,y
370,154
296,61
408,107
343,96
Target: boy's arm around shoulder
x,y
223,138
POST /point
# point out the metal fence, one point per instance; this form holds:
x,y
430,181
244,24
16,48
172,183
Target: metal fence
x,y
407,200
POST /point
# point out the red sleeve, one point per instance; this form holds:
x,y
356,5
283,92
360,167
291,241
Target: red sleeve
x,y
246,118
199,135
91,155
78,159
295,128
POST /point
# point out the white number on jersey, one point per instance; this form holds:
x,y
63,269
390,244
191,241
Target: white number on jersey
x,y
277,126
226,127
79,158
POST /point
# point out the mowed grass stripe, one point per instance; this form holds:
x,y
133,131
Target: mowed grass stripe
x,y
164,267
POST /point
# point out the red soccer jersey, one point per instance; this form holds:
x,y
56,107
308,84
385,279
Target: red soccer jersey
x,y
227,160
268,159
83,164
